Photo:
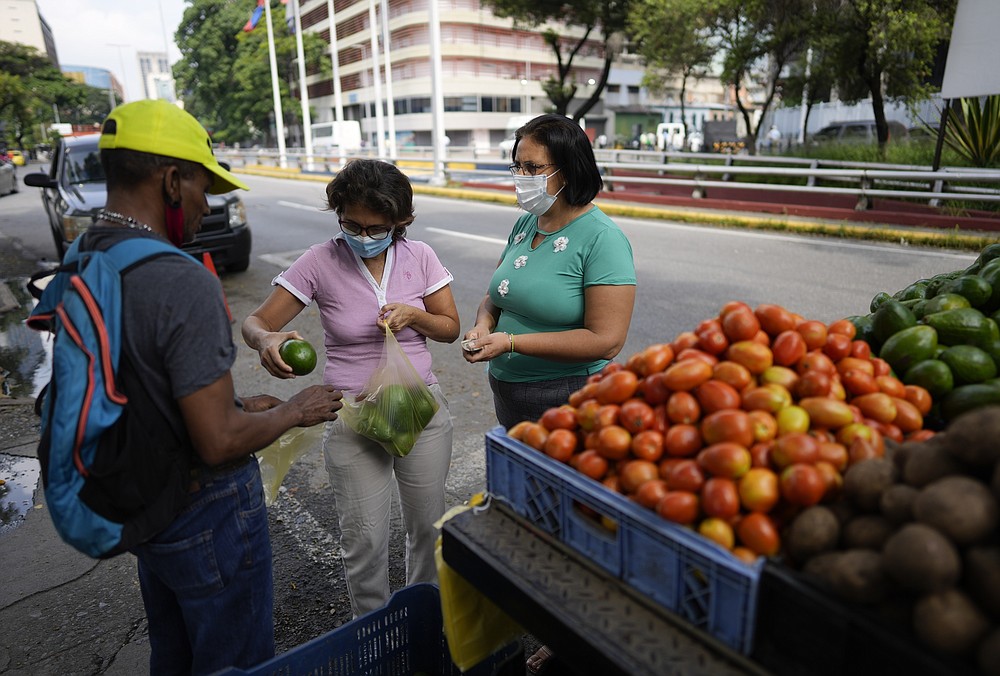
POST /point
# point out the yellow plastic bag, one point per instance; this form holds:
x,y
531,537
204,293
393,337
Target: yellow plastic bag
x,y
474,626
395,406
275,460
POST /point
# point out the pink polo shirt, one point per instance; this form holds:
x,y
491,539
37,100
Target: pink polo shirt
x,y
349,300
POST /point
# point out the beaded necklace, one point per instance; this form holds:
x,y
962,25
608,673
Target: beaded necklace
x,y
122,219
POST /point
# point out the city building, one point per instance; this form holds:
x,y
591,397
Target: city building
x,y
491,70
21,23
102,78
157,77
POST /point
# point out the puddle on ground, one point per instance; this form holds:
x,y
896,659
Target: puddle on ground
x,y
25,354
18,481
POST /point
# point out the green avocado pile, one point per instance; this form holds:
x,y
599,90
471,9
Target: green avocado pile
x,y
394,416
942,334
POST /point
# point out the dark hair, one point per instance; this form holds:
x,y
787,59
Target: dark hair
x,y
377,186
570,150
128,169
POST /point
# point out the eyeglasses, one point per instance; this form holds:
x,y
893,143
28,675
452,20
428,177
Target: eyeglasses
x,y
528,168
373,231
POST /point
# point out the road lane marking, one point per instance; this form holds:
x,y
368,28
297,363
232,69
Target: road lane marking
x,y
318,544
296,205
466,235
282,259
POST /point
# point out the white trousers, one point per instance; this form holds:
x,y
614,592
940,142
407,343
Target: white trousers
x,y
361,474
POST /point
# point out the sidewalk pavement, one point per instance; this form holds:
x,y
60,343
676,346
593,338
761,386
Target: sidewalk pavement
x,y
72,614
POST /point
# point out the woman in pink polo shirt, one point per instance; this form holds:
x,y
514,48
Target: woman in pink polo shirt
x,y
369,276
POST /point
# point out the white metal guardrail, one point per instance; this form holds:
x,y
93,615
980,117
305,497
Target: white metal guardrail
x,y
701,172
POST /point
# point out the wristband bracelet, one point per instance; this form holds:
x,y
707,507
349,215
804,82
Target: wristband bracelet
x,y
511,336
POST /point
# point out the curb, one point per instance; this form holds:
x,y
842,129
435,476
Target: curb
x,y
876,232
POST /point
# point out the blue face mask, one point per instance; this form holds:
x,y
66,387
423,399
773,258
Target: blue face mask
x,y
366,247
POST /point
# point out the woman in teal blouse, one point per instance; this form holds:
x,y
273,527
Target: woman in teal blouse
x,y
559,304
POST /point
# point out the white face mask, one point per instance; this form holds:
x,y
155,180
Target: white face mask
x,y
532,193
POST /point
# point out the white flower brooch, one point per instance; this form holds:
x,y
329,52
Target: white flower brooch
x,y
519,237
504,287
520,262
560,244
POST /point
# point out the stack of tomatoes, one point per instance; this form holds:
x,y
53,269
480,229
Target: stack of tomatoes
x,y
734,427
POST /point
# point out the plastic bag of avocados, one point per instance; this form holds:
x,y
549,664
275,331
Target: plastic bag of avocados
x,y
395,405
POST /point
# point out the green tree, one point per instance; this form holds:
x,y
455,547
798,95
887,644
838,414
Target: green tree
x,y
224,75
605,19
29,86
674,39
884,49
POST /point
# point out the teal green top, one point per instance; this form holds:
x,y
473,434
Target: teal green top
x,y
541,290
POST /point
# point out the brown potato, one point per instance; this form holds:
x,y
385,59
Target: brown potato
x,y
949,621
920,559
960,507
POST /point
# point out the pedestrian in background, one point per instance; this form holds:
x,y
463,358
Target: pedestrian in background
x,y
206,579
367,277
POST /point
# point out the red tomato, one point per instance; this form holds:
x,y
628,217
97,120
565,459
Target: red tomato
x,y
837,346
682,441
892,386
920,435
733,374
740,324
730,424
648,445
660,420
617,387
634,363
559,418
720,498
607,414
651,492
655,358
695,353
715,395
683,376
667,465
560,444
844,327
920,398
827,413
683,341
788,347
583,394
593,464
763,425
882,367
635,473
857,382
613,442
908,417
718,531
774,319
587,414
760,454
802,484
794,447
712,341
732,306
534,435
814,332
745,554
815,360
861,349
754,356
635,415
771,398
833,479
725,459
758,533
678,506
708,325
877,406
834,454
780,375
846,364
653,390
814,384
758,489
683,408
685,475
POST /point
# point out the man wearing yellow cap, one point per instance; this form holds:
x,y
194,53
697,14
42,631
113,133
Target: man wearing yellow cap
x,y
206,578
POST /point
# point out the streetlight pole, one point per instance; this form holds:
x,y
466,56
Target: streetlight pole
x,y
122,60
390,104
303,87
279,120
376,80
338,105
437,96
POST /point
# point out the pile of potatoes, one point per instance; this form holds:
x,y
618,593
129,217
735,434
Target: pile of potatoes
x,y
914,534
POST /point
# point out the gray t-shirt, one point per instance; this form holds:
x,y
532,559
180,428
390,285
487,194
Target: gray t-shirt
x,y
176,331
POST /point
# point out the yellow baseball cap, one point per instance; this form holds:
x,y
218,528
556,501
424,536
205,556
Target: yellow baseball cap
x,y
161,128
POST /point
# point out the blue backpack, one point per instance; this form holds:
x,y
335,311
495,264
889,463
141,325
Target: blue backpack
x,y
114,472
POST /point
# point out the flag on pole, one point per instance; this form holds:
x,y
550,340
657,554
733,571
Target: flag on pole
x,y
258,11
290,11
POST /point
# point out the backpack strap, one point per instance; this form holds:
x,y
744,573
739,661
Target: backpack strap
x,y
131,251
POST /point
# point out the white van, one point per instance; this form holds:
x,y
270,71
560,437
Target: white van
x,y
669,136
336,136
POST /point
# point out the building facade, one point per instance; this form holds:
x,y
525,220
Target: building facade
x,y
157,76
21,23
491,70
102,78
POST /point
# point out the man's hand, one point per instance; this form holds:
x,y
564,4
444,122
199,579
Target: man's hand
x,y
317,404
259,402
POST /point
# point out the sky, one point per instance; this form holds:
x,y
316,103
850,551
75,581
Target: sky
x,y
89,32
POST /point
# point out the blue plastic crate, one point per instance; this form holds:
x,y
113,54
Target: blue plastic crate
x,y
682,571
402,639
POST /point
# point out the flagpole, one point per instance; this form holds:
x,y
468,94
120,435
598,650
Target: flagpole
x,y
303,87
338,105
279,121
390,105
377,81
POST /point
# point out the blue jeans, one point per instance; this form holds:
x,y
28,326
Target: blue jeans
x,y
206,580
